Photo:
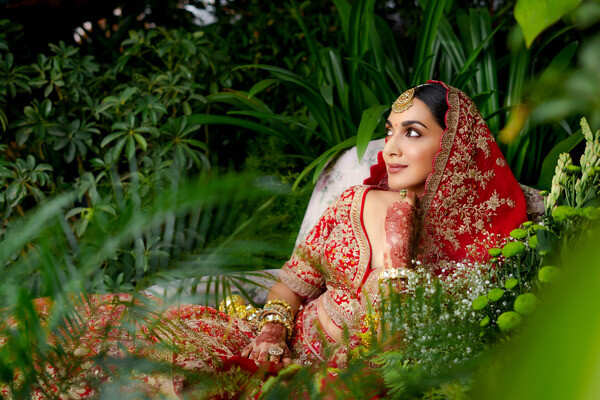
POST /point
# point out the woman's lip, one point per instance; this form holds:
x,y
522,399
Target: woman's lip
x,y
392,168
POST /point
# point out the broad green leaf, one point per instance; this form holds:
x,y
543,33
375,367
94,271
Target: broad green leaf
x,y
368,122
346,143
140,139
433,13
343,8
549,164
260,86
207,119
110,138
130,149
32,225
536,15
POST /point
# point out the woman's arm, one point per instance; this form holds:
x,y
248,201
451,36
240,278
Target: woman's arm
x,y
282,292
273,333
302,279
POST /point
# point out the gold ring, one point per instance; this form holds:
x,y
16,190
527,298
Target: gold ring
x,y
275,351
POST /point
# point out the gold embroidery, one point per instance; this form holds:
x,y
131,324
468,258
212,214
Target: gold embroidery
x,y
451,205
341,307
359,233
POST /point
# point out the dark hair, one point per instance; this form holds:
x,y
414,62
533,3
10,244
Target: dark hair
x,y
434,95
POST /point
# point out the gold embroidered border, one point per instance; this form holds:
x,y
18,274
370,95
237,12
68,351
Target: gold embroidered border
x,y
310,327
298,285
340,315
445,147
359,233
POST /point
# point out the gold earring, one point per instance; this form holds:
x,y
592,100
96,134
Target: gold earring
x,y
404,101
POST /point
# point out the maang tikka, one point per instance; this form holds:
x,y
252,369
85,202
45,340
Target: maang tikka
x,y
404,101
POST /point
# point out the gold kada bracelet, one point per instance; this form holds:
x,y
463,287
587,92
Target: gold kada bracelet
x,y
278,311
276,318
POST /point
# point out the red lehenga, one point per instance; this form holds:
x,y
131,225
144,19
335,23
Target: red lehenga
x,y
471,203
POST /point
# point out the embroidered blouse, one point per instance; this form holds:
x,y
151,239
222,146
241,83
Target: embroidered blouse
x,y
333,261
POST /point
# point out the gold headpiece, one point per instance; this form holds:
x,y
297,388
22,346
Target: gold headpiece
x,y
404,101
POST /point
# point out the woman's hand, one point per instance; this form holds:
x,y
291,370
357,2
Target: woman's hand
x,y
272,336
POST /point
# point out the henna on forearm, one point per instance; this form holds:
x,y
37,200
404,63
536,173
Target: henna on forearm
x,y
399,229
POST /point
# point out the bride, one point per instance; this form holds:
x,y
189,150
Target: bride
x,y
440,193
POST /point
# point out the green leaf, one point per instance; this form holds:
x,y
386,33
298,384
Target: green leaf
x,y
32,225
46,107
546,241
130,149
368,122
327,93
343,8
423,59
110,138
536,15
479,303
140,139
260,86
207,119
561,61
345,144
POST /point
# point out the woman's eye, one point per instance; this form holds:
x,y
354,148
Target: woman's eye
x,y
388,132
412,133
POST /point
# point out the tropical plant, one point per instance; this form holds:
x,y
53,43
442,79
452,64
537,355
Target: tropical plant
x,y
345,90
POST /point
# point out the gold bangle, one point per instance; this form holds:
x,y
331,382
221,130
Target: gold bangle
x,y
276,308
276,318
281,303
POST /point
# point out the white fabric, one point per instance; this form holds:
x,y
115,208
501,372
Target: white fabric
x,y
346,171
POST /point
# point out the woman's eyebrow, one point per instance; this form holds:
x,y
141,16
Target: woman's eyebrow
x,y
406,123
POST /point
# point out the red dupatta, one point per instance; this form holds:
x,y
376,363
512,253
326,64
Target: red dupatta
x,y
471,200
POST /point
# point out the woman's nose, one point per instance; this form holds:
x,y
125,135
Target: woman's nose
x,y
391,147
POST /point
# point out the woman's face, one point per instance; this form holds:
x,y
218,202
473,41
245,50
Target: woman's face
x,y
412,140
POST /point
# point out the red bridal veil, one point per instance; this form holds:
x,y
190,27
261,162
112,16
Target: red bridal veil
x,y
471,199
